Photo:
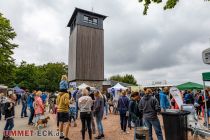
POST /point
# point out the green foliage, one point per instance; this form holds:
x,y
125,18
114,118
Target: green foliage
x,y
50,75
118,78
45,77
25,75
7,34
147,3
128,78
169,4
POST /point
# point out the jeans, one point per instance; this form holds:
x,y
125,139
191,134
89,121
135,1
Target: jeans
x,y
156,124
24,110
106,107
31,115
9,124
99,124
77,108
37,117
123,121
18,100
0,113
86,120
129,121
93,123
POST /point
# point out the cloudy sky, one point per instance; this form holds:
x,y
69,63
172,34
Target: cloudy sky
x,y
164,45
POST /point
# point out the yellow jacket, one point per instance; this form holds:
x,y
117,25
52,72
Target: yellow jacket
x,y
62,102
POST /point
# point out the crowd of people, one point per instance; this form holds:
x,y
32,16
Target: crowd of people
x,y
135,109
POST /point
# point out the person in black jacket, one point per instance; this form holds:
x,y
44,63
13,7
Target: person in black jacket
x,y
24,104
9,115
136,114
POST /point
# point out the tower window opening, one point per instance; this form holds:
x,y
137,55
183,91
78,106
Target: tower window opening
x,y
90,20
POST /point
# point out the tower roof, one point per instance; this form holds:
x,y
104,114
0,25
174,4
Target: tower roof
x,y
77,10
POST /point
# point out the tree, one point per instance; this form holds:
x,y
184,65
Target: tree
x,y
128,78
118,78
7,65
50,75
26,76
43,77
169,4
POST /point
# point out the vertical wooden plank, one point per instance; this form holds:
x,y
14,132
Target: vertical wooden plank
x,y
90,54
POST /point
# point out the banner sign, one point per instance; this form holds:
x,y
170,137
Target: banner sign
x,y
177,96
72,86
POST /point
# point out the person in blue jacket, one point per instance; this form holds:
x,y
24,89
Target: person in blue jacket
x,y
123,107
44,97
164,101
30,101
63,85
188,98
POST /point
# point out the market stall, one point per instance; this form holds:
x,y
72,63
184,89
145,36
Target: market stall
x,y
190,86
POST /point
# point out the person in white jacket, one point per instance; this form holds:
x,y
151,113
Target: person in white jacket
x,y
85,103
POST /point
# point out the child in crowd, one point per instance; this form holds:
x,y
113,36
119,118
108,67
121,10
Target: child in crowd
x,y
72,111
63,85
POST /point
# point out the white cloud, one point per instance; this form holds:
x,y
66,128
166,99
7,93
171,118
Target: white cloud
x,y
164,45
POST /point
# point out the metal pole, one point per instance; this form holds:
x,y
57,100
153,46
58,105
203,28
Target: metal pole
x,y
205,112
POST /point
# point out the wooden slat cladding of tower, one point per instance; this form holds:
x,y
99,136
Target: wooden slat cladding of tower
x,y
86,46
72,55
90,53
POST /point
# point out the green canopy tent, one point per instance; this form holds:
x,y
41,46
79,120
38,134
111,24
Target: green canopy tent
x,y
206,78
190,86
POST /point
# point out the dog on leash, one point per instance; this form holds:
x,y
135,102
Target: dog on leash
x,y
43,122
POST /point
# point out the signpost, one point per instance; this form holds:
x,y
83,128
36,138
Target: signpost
x,y
206,77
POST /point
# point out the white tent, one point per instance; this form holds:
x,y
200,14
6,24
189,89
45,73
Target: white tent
x,y
118,86
83,86
3,87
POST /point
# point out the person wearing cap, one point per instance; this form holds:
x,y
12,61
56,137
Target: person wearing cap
x,y
150,107
9,115
85,103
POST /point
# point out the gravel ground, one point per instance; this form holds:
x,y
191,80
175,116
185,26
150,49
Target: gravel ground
x,y
111,128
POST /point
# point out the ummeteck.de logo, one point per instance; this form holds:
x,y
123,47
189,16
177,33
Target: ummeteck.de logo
x,y
29,133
